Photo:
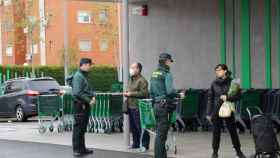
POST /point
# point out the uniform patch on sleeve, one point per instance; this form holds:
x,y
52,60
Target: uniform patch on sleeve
x,y
156,74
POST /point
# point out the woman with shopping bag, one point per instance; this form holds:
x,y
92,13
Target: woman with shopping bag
x,y
224,92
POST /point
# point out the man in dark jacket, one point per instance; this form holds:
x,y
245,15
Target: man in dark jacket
x,y
137,89
217,96
163,94
83,98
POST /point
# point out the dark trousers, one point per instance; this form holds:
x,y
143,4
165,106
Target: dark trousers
x,y
81,118
162,127
231,126
135,128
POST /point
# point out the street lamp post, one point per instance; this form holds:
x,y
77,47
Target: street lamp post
x,y
65,20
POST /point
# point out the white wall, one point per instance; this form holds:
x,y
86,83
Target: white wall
x,y
188,29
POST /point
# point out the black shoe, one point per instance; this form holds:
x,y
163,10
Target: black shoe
x,y
87,152
240,155
78,154
215,155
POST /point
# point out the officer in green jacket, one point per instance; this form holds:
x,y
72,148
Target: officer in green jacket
x,y
163,94
83,98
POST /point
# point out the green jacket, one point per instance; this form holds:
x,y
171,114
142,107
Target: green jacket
x,y
139,87
162,84
81,89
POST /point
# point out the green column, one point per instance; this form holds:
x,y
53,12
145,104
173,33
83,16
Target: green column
x,y
267,10
233,40
278,51
222,9
245,44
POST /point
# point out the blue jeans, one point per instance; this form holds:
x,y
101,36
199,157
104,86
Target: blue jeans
x,y
135,128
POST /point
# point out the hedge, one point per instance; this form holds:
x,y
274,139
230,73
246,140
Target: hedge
x,y
100,77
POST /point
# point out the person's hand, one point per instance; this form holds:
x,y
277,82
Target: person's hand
x,y
182,95
209,118
93,101
127,94
223,97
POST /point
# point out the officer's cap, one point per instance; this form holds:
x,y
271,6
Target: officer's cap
x,y
165,56
85,61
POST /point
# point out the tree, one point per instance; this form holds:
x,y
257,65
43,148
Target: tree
x,y
72,56
21,14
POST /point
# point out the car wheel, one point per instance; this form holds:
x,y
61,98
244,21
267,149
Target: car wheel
x,y
20,116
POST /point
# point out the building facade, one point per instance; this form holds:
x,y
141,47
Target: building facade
x,y
36,28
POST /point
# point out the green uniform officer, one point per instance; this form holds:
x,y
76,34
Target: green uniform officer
x,y
163,94
83,98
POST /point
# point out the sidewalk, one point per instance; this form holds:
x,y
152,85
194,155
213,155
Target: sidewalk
x,y
192,144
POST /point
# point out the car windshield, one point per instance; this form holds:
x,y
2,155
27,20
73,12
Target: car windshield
x,y
44,85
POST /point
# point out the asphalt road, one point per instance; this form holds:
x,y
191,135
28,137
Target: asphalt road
x,y
16,149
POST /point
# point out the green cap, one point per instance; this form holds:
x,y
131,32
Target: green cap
x,y
165,56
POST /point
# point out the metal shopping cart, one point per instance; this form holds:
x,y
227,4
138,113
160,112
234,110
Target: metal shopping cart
x,y
49,113
106,114
148,123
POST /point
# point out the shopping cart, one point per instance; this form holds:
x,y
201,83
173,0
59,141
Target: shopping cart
x,y
106,113
68,113
49,113
148,123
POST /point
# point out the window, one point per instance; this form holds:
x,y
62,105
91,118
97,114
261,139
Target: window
x,y
103,45
85,45
44,85
8,88
14,87
7,26
103,17
84,17
7,2
9,51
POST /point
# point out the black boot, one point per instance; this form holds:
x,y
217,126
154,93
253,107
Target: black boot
x,y
215,155
240,155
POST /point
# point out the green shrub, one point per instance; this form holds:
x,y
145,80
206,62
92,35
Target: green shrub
x,y
100,77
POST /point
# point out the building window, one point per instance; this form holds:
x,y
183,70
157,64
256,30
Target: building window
x,y
6,2
84,17
103,17
7,26
85,45
103,45
9,51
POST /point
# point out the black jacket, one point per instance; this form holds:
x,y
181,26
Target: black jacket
x,y
219,87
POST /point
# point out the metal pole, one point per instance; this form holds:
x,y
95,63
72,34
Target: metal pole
x,y
278,51
223,39
65,28
125,55
120,65
42,32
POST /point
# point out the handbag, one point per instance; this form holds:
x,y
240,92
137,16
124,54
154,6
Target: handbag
x,y
226,109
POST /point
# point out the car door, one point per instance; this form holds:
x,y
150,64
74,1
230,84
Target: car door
x,y
3,99
14,95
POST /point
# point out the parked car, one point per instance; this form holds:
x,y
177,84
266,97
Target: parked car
x,y
19,96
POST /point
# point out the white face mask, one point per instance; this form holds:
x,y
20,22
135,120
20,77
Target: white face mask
x,y
131,72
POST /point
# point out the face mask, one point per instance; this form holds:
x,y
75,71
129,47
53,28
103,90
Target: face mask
x,y
131,72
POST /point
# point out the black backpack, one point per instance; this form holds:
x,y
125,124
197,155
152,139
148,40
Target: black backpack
x,y
264,134
69,80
